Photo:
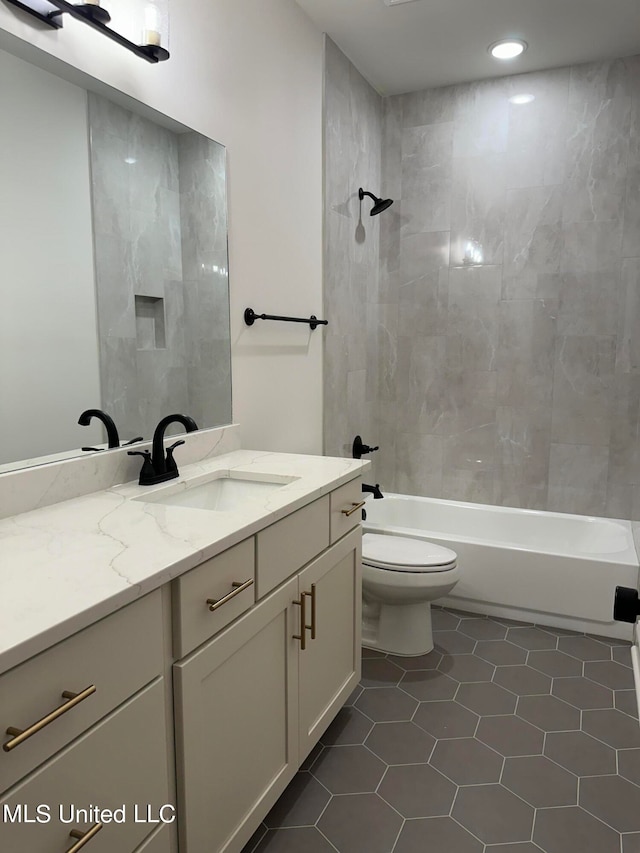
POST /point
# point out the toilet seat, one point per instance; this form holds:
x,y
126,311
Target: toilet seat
x,y
402,554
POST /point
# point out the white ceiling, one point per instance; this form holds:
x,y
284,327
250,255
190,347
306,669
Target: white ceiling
x,y
424,43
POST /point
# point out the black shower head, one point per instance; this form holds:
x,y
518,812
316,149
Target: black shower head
x,y
380,204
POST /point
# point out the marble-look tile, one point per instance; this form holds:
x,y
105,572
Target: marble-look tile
x,y
469,485
522,464
422,310
583,390
624,447
482,119
596,152
421,383
472,318
423,253
631,237
534,242
426,178
478,208
628,353
525,358
537,129
384,354
419,463
577,478
430,106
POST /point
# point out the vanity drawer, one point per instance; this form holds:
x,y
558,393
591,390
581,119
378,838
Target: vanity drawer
x,y
286,546
218,579
117,656
121,762
344,500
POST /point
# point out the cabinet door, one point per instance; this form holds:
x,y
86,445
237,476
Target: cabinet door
x,y
236,725
329,666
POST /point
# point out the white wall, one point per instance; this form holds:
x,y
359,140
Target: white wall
x,y
247,73
48,353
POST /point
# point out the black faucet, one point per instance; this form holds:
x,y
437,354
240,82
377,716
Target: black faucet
x,y
158,468
374,490
112,430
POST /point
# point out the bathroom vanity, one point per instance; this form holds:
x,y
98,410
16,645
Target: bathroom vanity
x,y
189,657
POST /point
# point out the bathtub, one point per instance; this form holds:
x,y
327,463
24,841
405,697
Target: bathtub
x,y
545,567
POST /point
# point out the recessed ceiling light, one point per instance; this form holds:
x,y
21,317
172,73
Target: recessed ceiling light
x,y
524,98
507,48
397,2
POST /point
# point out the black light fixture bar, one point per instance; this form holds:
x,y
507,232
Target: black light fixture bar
x,y
250,317
94,16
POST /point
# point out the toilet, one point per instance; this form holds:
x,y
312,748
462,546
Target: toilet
x,y
400,579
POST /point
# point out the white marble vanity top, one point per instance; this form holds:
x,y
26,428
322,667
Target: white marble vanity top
x,y
63,567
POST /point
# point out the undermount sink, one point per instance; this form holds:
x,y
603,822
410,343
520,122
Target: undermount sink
x,y
223,493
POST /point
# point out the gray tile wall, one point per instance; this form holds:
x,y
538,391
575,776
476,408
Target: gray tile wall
x,y
353,130
159,210
508,319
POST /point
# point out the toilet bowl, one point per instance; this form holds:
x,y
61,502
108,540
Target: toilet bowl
x,y
400,579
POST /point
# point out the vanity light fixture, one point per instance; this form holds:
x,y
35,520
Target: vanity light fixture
x,y
154,27
507,48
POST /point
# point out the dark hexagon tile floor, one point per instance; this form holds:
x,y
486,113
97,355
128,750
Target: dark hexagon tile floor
x,y
508,737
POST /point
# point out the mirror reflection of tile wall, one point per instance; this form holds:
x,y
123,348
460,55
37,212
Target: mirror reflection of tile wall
x,y
160,232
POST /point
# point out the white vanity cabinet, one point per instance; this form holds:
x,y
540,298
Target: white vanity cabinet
x,y
253,701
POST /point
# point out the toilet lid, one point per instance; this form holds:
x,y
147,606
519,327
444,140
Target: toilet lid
x,y
401,554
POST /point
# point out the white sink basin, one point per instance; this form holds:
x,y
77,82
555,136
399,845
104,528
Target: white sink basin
x,y
223,493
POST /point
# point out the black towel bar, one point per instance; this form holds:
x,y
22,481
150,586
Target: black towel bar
x,y
250,317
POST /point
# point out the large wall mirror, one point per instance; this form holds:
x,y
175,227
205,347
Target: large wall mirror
x,y
114,269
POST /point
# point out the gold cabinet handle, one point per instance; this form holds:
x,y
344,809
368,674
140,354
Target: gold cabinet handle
x,y
238,587
312,596
83,837
302,636
354,508
20,735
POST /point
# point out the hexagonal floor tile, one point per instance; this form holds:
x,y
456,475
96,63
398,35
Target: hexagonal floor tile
x,y
613,800
631,843
359,822
540,782
486,698
380,672
417,790
445,719
437,834
482,629
582,693
627,702
522,680
500,652
466,668
610,674
293,841
622,654
562,830
629,765
526,847
301,804
510,736
556,664
386,704
548,713
441,620
493,814
580,753
466,761
531,638
349,727
400,743
428,684
354,695
428,661
453,643
612,727
348,769
584,648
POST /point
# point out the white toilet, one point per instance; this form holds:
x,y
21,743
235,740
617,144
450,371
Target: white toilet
x,y
400,579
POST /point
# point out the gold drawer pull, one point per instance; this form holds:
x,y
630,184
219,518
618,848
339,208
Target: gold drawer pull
x,y
312,596
83,836
20,735
238,587
302,636
354,508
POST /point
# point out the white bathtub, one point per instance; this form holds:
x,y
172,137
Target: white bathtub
x,y
545,567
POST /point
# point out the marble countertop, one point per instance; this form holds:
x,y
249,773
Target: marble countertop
x,y
65,566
